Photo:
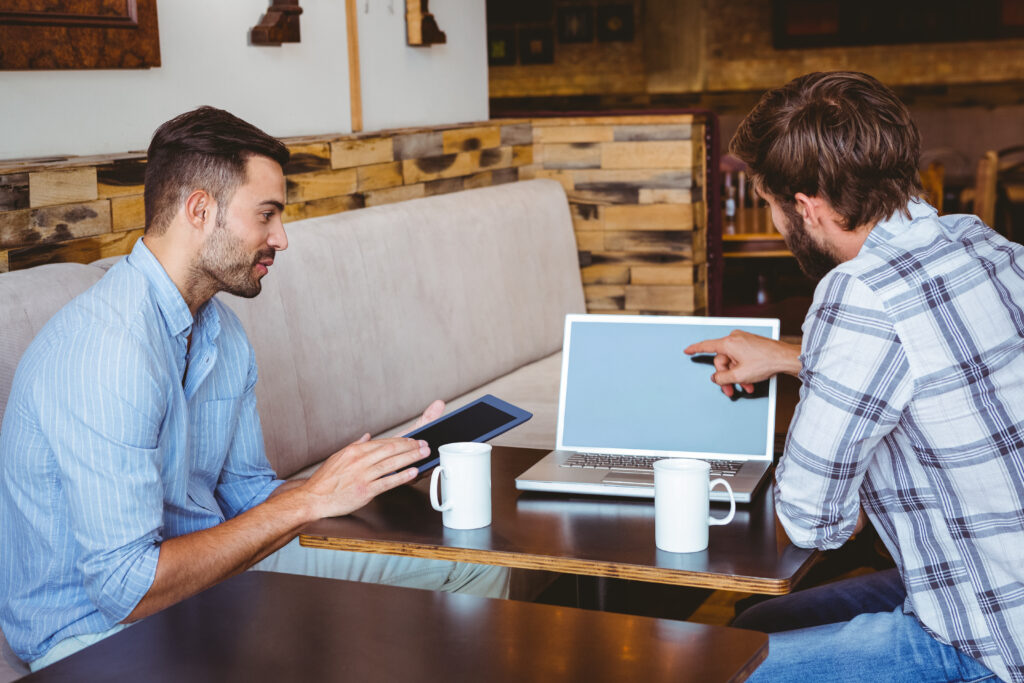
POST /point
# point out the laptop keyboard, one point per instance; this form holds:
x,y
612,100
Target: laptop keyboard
x,y
719,468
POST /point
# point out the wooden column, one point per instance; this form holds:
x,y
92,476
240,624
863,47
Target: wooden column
x,y
355,92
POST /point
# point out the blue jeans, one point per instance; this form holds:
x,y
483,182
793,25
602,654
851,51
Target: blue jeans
x,y
853,630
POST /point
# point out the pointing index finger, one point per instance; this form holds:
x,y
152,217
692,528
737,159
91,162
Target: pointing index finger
x,y
706,346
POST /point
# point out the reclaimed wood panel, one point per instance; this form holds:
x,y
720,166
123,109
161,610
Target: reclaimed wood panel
x,y
127,213
682,131
49,188
685,274
664,298
572,155
444,186
418,145
322,207
668,154
589,241
554,134
379,176
562,177
601,298
395,194
659,241
52,224
14,191
522,155
517,134
308,157
303,187
638,258
363,152
586,216
498,176
664,196
453,165
469,139
614,120
84,250
122,178
605,274
648,217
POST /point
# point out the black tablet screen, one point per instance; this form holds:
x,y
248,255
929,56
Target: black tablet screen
x,y
467,425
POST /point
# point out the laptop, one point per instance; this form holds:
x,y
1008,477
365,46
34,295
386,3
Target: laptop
x,y
630,396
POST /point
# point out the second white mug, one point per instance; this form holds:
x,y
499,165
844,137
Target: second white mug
x,y
681,502
465,475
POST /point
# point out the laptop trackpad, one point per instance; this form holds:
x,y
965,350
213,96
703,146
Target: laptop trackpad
x,y
629,478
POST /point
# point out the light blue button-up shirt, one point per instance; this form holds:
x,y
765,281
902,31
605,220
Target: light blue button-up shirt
x,y
117,437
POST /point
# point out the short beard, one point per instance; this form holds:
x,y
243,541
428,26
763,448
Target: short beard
x,y
225,262
814,260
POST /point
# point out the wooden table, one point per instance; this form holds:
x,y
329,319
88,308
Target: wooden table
x,y
278,627
584,535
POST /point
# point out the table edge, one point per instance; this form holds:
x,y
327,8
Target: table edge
x,y
674,577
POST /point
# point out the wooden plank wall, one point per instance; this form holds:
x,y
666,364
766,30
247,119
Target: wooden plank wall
x,y
635,186
636,191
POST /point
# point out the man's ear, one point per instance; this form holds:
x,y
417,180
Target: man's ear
x,y
200,209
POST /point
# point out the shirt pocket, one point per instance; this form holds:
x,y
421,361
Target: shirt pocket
x,y
213,429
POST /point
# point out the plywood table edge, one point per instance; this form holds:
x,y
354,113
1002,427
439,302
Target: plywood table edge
x,y
673,577
755,661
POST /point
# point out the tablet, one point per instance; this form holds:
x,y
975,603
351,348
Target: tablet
x,y
481,420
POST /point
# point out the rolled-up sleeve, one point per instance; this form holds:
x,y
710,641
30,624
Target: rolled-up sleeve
x,y
855,384
104,424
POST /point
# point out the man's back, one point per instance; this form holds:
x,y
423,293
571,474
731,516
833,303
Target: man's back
x,y
914,357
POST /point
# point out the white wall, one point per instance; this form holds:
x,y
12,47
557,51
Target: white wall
x,y
422,86
296,89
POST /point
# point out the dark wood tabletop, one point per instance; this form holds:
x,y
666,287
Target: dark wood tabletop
x,y
278,627
584,535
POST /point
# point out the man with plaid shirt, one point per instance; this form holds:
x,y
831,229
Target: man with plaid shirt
x,y
912,401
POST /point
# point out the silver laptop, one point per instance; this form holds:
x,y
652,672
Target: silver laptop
x,y
630,396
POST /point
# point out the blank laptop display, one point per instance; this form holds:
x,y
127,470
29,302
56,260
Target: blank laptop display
x,y
627,389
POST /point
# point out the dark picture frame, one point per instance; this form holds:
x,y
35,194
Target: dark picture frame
x,y
575,24
501,47
615,23
536,46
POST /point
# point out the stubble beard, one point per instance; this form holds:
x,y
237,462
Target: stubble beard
x,y
814,260
224,261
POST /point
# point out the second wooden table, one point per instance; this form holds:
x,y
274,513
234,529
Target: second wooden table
x,y
582,535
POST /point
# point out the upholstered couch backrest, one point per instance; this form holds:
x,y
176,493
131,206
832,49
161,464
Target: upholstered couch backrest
x,y
371,314
29,298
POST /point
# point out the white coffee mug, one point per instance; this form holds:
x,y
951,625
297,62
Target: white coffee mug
x,y
465,474
681,501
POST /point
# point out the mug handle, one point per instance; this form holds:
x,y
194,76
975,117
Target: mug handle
x,y
716,521
434,502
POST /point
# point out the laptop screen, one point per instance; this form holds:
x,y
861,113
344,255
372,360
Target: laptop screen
x,y
627,387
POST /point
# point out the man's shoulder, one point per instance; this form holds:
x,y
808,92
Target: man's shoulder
x,y
116,310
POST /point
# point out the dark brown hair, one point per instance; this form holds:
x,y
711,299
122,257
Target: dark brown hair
x,y
205,149
841,136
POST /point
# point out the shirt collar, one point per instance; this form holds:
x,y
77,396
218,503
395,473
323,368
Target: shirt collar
x,y
898,223
177,317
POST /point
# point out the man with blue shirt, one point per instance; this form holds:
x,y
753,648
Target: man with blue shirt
x,y
911,408
132,469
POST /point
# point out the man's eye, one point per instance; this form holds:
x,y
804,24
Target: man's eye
x,y
267,215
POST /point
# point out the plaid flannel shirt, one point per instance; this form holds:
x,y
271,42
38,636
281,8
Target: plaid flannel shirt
x,y
912,407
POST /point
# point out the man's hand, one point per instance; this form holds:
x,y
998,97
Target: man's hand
x,y
433,411
743,358
356,474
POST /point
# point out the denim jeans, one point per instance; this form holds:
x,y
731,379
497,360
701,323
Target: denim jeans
x,y
853,630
